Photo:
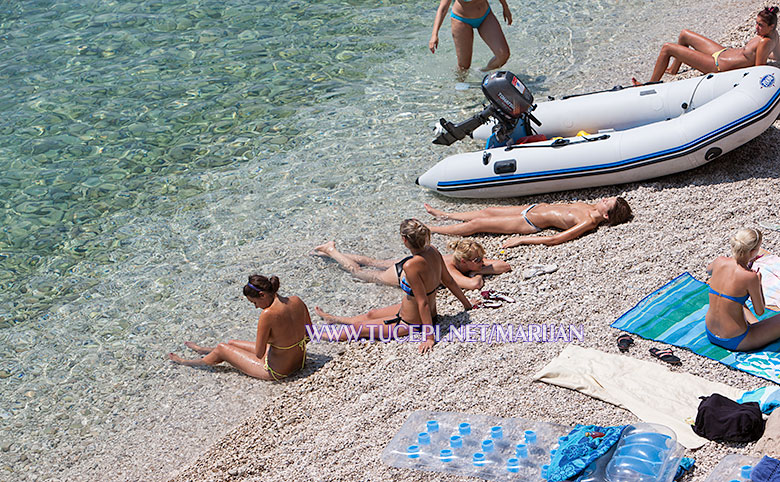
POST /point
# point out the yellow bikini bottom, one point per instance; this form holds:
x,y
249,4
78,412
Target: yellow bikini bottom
x,y
715,56
301,344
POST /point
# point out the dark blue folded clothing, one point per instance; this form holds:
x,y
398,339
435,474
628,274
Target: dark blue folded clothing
x,y
767,470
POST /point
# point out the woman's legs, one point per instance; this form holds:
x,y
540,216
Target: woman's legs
x,y
695,41
761,334
497,225
385,313
491,33
698,60
203,350
463,38
371,324
352,263
244,360
482,213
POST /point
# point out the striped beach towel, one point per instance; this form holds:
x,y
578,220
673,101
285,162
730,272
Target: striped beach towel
x,y
769,266
674,314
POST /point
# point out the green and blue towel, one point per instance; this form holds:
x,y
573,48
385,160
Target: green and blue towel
x,y
674,314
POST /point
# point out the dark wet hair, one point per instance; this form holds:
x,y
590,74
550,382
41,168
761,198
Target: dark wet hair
x,y
620,213
769,15
258,283
418,234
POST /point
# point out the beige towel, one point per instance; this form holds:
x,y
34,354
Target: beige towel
x,y
769,443
649,390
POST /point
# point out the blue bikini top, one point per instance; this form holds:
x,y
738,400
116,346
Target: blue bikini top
x,y
739,299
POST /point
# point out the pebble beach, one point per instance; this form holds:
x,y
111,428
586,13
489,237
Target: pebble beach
x,y
333,421
155,154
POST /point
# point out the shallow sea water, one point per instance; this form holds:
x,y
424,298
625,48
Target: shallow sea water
x,y
156,153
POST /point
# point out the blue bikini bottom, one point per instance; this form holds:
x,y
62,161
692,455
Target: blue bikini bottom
x,y
727,343
474,22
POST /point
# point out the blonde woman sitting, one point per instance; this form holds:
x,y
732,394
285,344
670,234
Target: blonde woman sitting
x,y
466,264
729,324
420,275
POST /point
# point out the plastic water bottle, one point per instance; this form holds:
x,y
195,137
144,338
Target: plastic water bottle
x,y
530,437
437,437
497,434
746,471
432,426
464,428
521,450
487,446
413,451
545,470
513,465
479,459
446,456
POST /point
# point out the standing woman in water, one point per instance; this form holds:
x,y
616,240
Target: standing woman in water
x,y
280,346
468,15
709,56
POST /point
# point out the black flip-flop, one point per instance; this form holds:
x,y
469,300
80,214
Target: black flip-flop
x,y
665,355
624,341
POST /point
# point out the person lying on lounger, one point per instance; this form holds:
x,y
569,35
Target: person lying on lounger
x,y
466,264
280,347
575,219
728,322
420,276
709,56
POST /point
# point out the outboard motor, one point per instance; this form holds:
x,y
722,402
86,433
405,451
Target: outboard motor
x,y
510,103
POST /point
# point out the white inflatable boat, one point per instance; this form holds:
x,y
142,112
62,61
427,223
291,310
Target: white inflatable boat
x,y
633,134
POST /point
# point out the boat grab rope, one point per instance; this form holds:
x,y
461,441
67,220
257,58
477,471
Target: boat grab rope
x,y
560,142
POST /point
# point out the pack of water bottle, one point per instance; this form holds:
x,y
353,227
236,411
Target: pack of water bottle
x,y
516,449
733,468
492,448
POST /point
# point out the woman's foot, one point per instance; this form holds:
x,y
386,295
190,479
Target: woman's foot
x,y
197,348
181,361
325,316
324,249
437,213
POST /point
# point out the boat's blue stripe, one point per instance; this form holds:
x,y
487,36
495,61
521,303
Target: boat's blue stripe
x,y
705,137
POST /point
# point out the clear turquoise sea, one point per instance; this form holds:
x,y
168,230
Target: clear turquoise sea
x,y
153,154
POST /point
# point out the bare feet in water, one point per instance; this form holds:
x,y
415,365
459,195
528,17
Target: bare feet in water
x,y
181,361
197,348
324,249
437,213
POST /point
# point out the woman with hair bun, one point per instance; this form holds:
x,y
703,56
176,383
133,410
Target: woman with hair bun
x,y
709,56
729,324
466,264
280,346
419,275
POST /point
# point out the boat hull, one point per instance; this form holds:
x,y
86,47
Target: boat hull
x,y
636,134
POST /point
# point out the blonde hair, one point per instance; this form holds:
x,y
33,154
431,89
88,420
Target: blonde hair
x,y
466,249
418,234
744,241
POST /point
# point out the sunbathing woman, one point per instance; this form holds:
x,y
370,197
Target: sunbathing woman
x,y
574,219
729,323
468,15
280,347
420,275
709,56
466,264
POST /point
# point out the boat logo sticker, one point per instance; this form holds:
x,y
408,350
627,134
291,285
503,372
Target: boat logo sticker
x,y
767,81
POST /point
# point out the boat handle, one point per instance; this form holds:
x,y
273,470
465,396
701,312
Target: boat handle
x,y
505,167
